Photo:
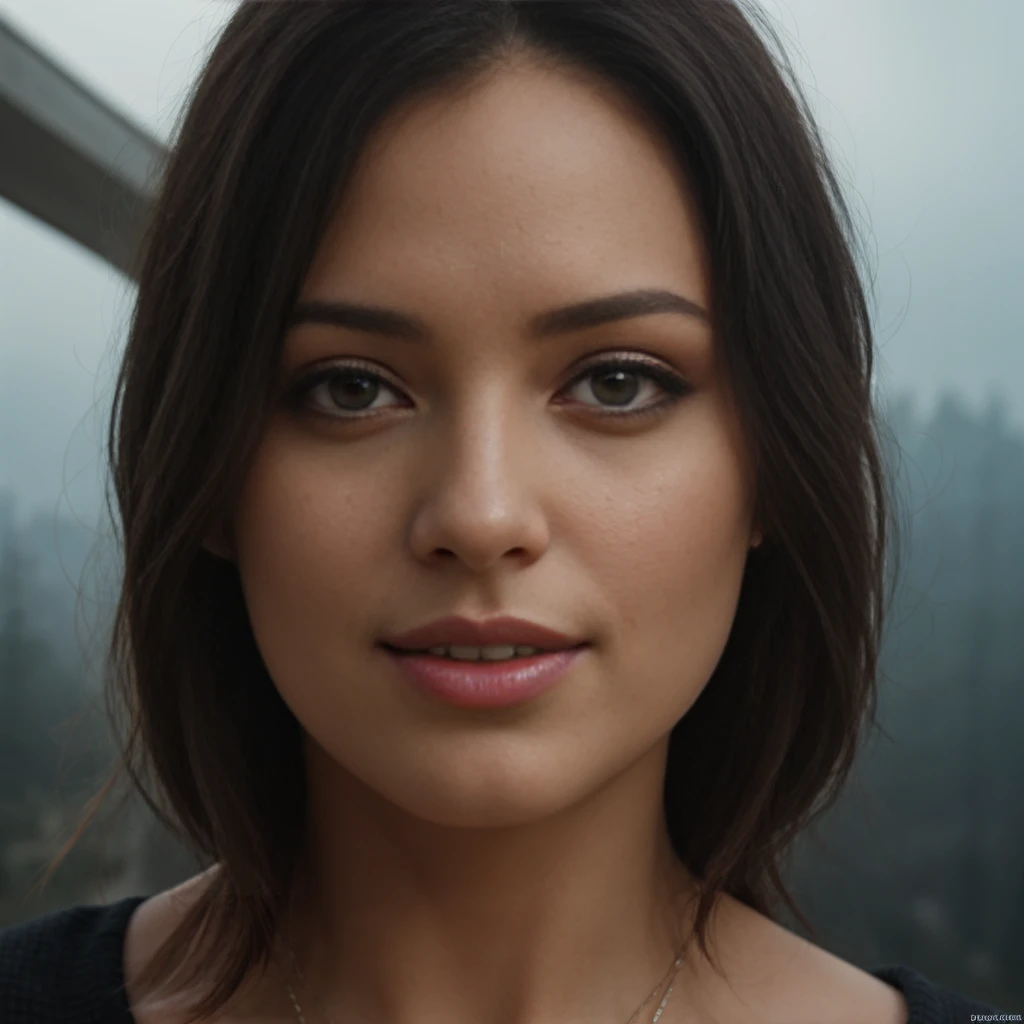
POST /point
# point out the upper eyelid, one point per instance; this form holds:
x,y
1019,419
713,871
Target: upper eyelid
x,y
626,355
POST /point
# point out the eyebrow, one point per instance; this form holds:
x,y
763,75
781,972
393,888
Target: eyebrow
x,y
578,316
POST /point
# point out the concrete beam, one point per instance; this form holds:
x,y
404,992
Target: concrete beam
x,y
68,158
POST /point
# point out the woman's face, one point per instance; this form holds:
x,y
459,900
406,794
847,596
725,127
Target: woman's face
x,y
485,473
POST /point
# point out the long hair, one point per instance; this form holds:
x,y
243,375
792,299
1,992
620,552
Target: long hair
x,y
285,103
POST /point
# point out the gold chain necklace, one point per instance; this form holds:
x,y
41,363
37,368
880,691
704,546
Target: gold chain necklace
x,y
670,977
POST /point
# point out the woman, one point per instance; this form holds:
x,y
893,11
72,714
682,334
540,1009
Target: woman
x,y
593,274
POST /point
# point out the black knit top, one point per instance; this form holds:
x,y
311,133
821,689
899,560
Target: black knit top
x,y
67,967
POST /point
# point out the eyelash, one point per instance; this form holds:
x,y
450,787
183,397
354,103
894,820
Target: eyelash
x,y
676,387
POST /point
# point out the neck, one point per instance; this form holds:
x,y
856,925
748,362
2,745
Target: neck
x,y
574,915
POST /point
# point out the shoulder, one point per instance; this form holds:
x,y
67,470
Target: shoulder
x,y
776,975
65,961
772,974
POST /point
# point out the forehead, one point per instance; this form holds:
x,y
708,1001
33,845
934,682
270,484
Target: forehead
x,y
528,177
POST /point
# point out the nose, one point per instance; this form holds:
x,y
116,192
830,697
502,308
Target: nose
x,y
484,500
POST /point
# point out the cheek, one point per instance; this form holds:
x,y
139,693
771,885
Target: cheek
x,y
660,543
656,546
312,552
671,559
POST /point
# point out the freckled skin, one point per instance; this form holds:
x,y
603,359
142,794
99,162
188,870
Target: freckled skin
x,y
506,865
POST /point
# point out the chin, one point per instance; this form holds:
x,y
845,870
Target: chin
x,y
474,795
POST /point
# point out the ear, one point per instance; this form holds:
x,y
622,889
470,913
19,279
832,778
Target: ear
x,y
756,538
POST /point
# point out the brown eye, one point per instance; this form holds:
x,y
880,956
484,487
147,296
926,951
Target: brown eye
x,y
350,390
619,381
353,386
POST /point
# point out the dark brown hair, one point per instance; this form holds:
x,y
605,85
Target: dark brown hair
x,y
286,102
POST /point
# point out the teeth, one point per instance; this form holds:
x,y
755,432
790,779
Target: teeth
x,y
490,653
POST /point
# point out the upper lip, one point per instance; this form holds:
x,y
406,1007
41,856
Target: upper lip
x,y
471,633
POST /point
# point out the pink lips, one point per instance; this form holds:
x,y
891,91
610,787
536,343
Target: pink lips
x,y
483,684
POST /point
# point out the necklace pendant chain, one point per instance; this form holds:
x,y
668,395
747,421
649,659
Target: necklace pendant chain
x,y
674,970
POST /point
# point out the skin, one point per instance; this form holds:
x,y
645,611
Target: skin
x,y
508,867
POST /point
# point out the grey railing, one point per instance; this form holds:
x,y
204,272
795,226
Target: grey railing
x,y
68,158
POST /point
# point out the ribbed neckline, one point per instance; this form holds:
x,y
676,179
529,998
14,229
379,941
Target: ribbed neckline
x,y
929,1004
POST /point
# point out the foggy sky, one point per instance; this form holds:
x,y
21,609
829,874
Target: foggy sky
x,y
921,100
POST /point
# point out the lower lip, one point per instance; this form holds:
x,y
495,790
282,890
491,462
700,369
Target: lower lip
x,y
486,684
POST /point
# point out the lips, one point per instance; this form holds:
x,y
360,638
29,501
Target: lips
x,y
461,631
486,685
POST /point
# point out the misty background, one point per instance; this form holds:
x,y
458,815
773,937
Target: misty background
x,y
921,102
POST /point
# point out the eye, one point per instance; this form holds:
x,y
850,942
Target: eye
x,y
351,389
615,380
